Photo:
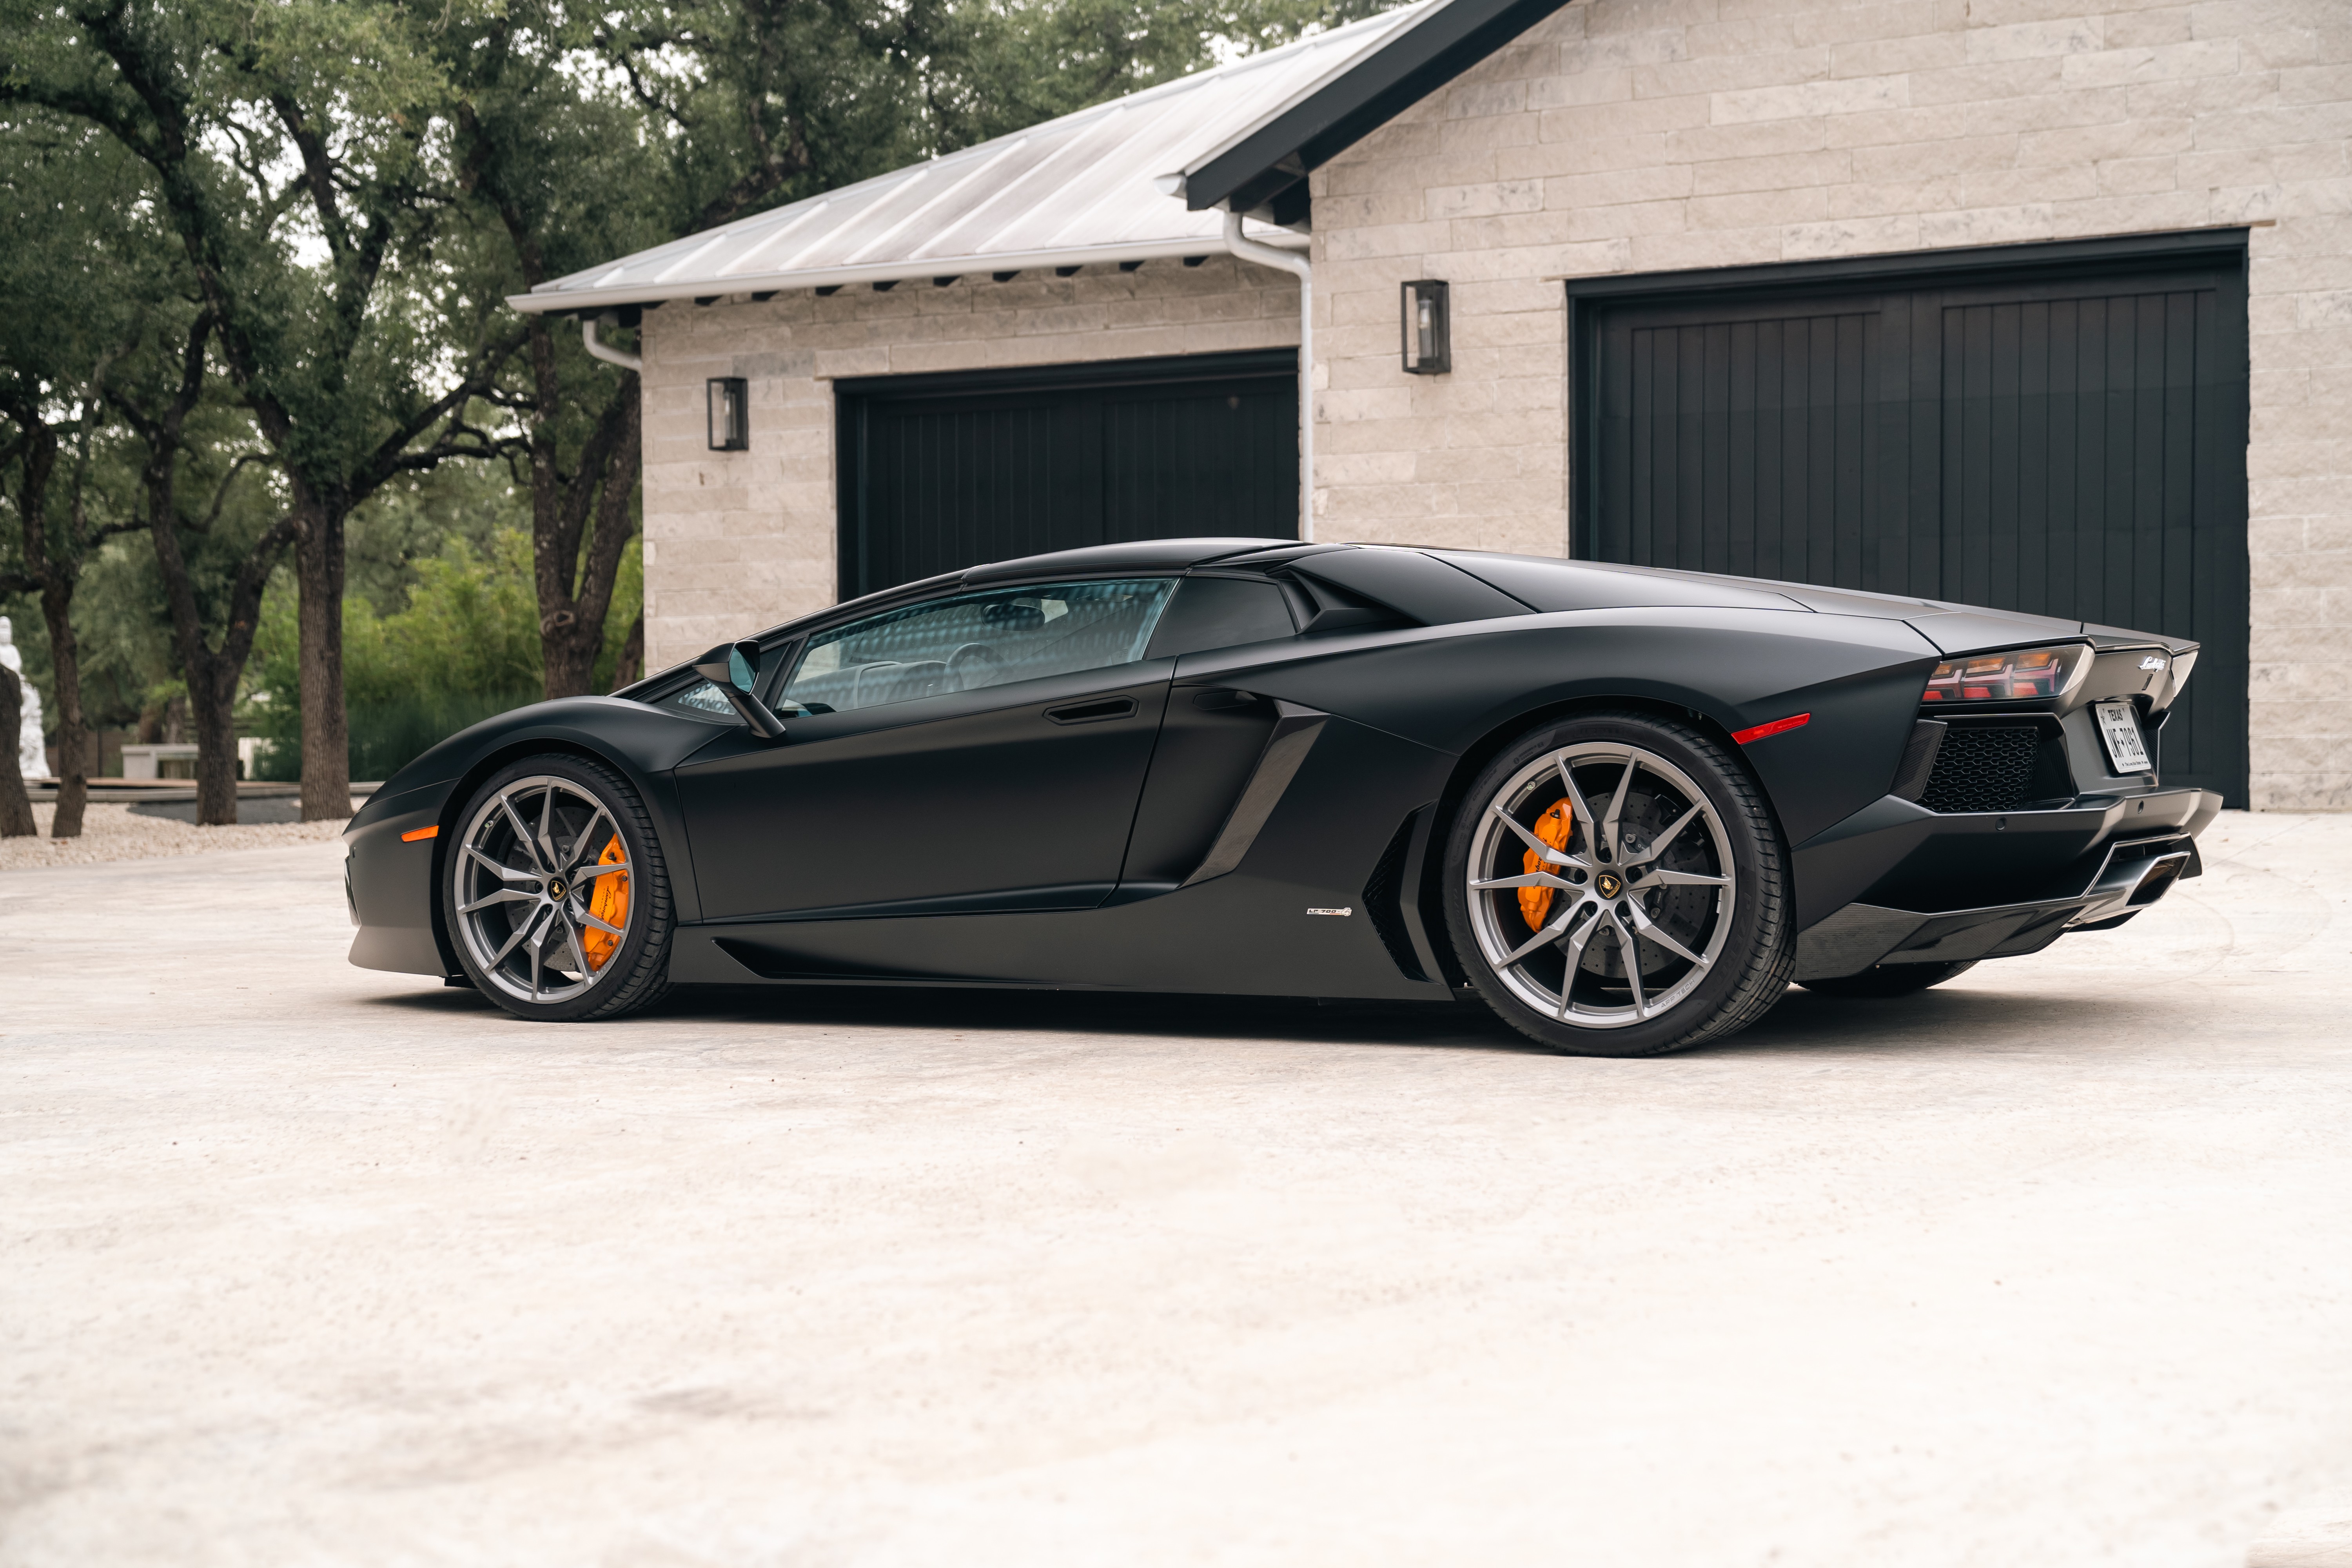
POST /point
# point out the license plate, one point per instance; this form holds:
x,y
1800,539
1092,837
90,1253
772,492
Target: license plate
x,y
2119,728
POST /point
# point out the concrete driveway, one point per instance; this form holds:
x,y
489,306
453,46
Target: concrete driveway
x,y
300,1263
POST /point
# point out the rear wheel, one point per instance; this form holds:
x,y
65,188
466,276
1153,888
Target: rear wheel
x,y
555,895
1615,885
1889,979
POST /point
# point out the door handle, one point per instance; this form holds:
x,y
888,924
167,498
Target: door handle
x,y
1092,712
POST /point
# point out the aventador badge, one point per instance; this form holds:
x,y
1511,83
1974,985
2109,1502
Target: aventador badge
x,y
1349,911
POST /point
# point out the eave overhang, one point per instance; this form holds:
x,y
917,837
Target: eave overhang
x,y
1263,169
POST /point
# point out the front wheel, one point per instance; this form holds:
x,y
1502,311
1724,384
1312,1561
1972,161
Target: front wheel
x,y
555,895
1615,885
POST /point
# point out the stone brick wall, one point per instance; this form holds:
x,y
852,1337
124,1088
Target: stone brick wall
x,y
737,540
1646,135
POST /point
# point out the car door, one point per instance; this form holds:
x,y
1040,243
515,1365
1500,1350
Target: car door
x,y
973,751
1214,737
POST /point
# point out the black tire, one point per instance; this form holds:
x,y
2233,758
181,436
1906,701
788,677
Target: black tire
x,y
633,972
1747,965
1889,980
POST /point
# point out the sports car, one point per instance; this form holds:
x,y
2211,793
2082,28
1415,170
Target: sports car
x,y
1625,808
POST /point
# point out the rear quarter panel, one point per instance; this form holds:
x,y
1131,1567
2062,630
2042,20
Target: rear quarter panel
x,y
1451,687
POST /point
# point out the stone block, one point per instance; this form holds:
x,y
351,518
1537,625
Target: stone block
x,y
1627,221
1926,160
1721,247
1851,236
1788,171
1883,57
1646,15
1848,95
1813,23
2015,187
1744,36
2161,62
1637,118
2330,83
1729,73
1763,138
2210,98
2028,77
2028,40
1596,84
1588,156
1879,198
1758,209
1621,51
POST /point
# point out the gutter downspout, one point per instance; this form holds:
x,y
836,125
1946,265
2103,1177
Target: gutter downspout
x,y
1304,271
605,352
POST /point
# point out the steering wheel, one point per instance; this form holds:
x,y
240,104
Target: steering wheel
x,y
973,659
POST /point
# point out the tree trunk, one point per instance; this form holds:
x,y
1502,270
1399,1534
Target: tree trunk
x,y
73,736
630,668
325,727
212,702
15,809
575,586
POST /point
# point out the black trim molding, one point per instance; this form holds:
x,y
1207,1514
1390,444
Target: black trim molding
x,y
1265,174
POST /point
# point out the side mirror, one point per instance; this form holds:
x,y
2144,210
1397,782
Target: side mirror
x,y
734,669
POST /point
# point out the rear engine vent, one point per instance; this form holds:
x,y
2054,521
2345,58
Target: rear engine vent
x,y
1982,769
1384,901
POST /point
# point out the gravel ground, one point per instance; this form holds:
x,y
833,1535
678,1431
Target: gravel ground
x,y
303,1264
115,833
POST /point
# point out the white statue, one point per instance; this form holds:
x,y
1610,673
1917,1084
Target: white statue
x,y
31,756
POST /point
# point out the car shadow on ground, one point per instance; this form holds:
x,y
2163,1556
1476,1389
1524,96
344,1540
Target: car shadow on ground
x,y
1802,1023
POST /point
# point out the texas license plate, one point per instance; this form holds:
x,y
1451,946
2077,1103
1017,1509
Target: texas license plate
x,y
2119,728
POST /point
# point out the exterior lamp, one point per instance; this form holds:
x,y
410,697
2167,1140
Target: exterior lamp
x,y
730,414
1428,342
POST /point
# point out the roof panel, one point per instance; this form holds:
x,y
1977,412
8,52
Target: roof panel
x,y
1077,189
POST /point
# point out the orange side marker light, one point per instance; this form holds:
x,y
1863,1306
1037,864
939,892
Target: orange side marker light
x,y
1777,727
413,834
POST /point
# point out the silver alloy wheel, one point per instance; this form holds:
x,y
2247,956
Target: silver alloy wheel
x,y
527,872
1649,875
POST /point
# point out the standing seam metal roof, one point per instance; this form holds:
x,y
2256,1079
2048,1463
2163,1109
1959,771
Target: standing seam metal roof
x,y
1100,185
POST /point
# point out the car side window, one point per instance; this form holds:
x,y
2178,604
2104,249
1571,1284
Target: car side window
x,y
700,699
1221,611
979,639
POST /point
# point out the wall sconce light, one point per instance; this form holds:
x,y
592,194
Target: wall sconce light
x,y
731,414
1428,343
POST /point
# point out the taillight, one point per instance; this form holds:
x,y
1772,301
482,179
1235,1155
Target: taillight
x,y
2023,676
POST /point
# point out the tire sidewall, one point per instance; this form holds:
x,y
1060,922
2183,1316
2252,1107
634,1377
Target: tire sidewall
x,y
1745,828
625,816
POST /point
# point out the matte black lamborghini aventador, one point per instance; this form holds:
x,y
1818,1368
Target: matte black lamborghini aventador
x,y
1623,807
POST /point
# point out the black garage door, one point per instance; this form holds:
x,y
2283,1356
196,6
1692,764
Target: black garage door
x,y
941,472
2054,429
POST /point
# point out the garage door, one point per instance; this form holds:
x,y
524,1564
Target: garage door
x,y
943,472
2059,431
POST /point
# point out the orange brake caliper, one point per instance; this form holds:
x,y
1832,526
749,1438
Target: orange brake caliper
x,y
609,903
1553,827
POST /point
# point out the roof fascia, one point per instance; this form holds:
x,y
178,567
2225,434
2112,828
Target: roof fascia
x,y
571,300
1354,100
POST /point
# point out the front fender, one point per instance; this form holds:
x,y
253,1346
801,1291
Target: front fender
x,y
393,880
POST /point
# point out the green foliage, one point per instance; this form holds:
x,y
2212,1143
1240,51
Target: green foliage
x,y
1008,64
352,186
463,646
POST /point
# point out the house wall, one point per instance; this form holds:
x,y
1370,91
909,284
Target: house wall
x,y
737,540
1651,135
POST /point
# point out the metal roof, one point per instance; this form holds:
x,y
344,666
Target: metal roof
x,y
1101,185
